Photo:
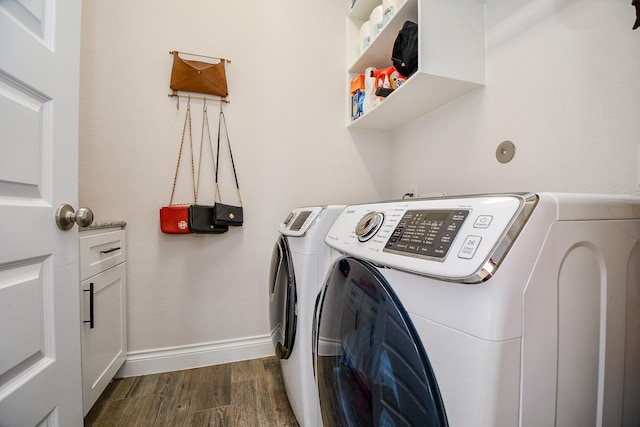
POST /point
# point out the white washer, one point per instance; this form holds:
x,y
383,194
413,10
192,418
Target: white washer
x,y
298,266
488,310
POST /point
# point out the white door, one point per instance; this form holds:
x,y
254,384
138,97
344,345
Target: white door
x,y
40,373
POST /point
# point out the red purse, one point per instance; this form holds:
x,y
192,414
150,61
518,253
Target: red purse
x,y
174,219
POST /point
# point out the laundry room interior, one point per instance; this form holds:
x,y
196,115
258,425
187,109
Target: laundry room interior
x,y
561,83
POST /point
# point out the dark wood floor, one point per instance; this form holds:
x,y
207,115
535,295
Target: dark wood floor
x,y
239,394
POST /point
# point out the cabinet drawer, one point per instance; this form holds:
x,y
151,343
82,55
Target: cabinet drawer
x,y
99,252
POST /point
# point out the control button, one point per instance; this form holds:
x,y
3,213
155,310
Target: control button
x,y
288,219
483,221
469,247
369,225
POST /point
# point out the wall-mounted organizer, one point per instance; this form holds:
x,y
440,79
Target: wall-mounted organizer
x,y
208,79
196,76
451,57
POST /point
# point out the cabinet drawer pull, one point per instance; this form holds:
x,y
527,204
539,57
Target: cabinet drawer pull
x,y
108,251
91,319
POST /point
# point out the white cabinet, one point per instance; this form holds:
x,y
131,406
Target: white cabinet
x,y
451,57
103,298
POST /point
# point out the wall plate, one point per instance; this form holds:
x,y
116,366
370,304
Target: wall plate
x,y
505,151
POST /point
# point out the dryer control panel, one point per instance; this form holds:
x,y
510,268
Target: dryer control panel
x,y
300,221
462,239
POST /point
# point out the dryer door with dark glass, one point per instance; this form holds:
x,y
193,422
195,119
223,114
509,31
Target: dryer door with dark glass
x,y
371,367
282,299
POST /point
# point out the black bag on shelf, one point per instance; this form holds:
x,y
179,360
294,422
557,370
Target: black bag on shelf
x,y
405,49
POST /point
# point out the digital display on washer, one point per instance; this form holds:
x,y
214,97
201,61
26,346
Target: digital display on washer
x,y
297,224
427,233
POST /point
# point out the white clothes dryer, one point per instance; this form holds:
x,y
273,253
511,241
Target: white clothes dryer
x,y
487,310
298,266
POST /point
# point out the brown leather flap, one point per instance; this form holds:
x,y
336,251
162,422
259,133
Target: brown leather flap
x,y
198,77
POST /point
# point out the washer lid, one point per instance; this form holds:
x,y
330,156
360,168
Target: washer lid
x,y
460,239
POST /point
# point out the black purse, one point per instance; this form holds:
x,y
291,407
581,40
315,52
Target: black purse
x,y
226,215
201,217
201,220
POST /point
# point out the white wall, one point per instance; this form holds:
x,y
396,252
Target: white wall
x,y
287,125
563,83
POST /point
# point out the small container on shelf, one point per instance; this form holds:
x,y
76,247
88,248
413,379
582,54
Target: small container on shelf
x,y
389,8
365,36
357,96
377,21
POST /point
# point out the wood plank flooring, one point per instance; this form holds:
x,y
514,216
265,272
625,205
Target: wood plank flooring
x,y
239,394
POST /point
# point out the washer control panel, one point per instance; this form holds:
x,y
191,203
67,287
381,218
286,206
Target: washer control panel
x,y
426,233
452,238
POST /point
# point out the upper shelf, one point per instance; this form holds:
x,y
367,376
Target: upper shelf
x,y
378,54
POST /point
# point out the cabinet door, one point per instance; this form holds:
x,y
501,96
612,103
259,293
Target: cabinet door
x,y
104,346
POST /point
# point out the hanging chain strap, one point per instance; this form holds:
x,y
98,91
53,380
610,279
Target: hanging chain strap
x,y
187,119
235,175
205,123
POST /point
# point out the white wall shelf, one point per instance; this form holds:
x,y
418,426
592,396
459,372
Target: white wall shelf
x,y
451,57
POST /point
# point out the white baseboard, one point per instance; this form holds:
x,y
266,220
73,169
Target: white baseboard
x,y
195,356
